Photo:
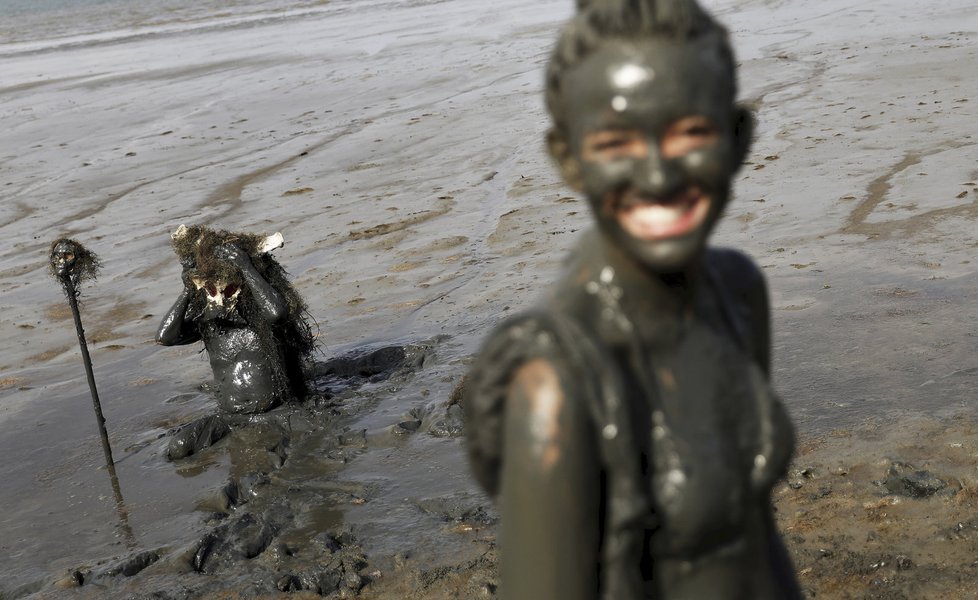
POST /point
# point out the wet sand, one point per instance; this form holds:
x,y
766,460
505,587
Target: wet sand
x,y
398,147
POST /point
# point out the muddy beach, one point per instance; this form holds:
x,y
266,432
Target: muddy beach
x,y
398,148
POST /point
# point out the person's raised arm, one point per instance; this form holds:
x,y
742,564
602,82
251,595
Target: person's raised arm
x,y
550,489
175,330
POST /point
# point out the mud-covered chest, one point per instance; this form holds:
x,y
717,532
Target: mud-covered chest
x,y
225,341
711,436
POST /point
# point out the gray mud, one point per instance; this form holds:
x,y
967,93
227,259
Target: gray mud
x,y
397,145
276,524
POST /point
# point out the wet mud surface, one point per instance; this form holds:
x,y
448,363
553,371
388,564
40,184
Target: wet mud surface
x,y
398,146
275,525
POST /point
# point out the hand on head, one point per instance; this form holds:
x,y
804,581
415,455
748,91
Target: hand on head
x,y
232,254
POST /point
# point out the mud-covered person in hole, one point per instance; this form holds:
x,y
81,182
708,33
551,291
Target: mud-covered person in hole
x,y
237,299
627,426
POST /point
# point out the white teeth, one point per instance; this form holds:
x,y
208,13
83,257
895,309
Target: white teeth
x,y
658,215
657,221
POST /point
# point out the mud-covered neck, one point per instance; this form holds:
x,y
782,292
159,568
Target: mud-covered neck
x,y
607,290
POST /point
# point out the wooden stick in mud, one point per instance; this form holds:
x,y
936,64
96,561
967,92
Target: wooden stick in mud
x,y
73,302
70,264
120,503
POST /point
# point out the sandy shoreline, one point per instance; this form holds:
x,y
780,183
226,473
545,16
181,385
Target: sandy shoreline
x,y
398,147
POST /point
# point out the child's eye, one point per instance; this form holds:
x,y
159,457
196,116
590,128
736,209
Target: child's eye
x,y
688,134
610,144
699,131
613,144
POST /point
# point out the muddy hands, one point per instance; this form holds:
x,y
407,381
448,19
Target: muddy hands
x,y
232,254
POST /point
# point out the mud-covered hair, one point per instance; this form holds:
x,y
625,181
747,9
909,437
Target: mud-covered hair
x,y
598,21
292,338
196,244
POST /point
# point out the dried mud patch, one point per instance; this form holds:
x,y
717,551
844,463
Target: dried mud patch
x,y
57,312
888,515
9,382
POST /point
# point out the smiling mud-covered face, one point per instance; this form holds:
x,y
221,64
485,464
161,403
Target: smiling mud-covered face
x,y
654,138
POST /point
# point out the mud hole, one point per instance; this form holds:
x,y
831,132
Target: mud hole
x,y
274,526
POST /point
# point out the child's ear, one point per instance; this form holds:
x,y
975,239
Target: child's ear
x,y
560,152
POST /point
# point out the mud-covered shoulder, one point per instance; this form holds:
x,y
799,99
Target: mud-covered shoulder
x,y
512,344
739,272
744,285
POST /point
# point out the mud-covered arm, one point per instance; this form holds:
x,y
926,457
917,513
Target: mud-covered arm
x,y
271,305
782,444
550,487
781,565
760,310
174,329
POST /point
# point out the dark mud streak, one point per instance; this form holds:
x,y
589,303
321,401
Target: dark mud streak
x,y
151,35
24,210
89,212
153,270
878,190
101,81
796,22
445,207
20,270
92,211
465,281
229,194
233,188
31,85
